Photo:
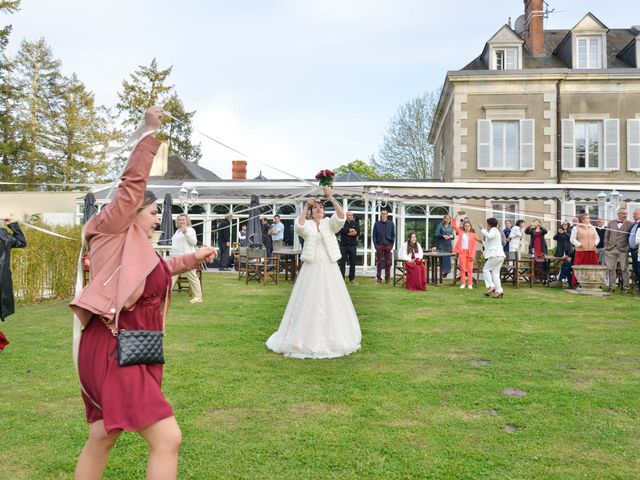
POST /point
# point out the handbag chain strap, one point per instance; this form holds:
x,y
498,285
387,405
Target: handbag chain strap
x,y
114,331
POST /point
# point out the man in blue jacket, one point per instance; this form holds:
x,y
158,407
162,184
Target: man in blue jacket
x,y
384,233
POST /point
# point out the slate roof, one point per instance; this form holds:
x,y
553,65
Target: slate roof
x,y
350,176
181,169
617,40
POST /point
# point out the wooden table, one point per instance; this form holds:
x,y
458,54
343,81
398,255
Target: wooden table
x,y
433,261
290,261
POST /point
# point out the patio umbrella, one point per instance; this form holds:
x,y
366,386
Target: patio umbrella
x,y
254,229
166,223
90,208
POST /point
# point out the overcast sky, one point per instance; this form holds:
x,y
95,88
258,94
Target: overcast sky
x,y
299,84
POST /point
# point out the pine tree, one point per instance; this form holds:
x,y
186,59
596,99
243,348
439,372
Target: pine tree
x,y
82,133
145,88
178,133
39,85
7,6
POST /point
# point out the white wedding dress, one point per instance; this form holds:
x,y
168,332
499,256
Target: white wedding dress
x,y
320,321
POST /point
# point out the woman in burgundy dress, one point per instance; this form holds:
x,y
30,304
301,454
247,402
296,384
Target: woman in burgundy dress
x,y
538,248
129,287
411,253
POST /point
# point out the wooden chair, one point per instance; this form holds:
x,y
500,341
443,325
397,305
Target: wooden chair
x,y
399,271
240,260
260,268
182,284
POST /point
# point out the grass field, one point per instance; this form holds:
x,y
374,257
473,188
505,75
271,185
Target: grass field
x,y
408,405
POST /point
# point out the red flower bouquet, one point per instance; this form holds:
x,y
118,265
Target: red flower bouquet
x,y
325,177
418,261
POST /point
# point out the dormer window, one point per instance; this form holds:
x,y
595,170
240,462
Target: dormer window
x,y
589,52
506,58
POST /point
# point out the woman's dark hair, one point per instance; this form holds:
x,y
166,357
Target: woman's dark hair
x,y
412,248
492,222
519,223
148,199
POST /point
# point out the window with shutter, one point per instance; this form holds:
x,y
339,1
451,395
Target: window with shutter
x,y
633,144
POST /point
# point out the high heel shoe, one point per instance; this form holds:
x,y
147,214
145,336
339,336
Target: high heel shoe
x,y
489,292
498,295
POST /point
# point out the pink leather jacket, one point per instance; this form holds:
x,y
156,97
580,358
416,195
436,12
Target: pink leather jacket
x,y
121,255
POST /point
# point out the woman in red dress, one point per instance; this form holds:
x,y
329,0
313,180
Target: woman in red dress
x,y
411,253
129,286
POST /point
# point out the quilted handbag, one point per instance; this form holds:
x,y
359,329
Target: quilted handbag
x,y
140,347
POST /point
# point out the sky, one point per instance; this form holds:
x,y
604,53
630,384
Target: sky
x,y
298,84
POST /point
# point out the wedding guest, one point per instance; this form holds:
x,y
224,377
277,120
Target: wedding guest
x,y
348,246
564,250
465,247
634,243
224,241
277,233
515,240
494,257
616,245
129,290
416,273
444,243
507,232
584,238
184,242
383,240
600,228
15,239
537,245
242,235
266,237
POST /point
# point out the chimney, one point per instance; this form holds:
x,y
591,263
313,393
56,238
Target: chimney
x,y
534,26
239,170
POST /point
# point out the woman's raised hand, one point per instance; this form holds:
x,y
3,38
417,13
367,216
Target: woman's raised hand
x,y
206,253
328,191
310,203
153,118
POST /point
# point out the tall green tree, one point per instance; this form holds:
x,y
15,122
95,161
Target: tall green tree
x,y
81,136
146,87
39,84
9,141
7,6
177,132
405,151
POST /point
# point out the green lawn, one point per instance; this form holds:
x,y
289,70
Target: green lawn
x,y
408,405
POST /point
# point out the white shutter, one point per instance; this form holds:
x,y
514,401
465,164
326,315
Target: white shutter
x,y
612,144
633,144
484,144
527,144
568,144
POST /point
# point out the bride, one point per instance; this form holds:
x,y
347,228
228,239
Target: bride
x,y
320,321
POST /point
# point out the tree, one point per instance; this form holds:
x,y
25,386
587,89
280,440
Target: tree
x,y
82,133
146,88
7,6
39,85
360,167
9,142
405,152
178,132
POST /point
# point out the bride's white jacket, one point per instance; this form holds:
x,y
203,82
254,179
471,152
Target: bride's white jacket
x,y
328,228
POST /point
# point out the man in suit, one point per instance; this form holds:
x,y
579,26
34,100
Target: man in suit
x,y
383,239
616,247
349,245
633,246
224,241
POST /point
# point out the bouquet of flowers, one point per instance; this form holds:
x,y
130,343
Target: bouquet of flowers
x,y
325,177
418,261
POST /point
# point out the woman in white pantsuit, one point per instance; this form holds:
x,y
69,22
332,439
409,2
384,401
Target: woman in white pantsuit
x,y
494,257
183,242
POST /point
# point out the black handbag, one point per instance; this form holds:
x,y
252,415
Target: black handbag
x,y
140,347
